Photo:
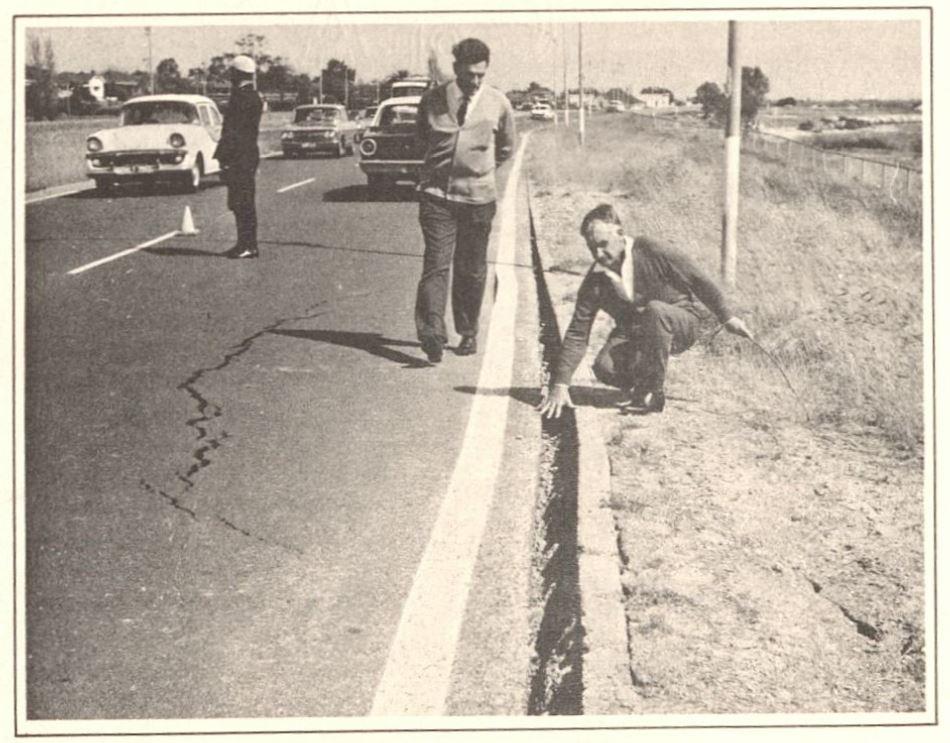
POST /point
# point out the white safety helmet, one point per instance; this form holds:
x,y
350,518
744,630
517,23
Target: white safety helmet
x,y
243,63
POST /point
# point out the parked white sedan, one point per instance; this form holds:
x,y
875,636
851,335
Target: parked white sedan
x,y
159,138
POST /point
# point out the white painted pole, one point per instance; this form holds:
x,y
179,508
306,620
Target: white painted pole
x,y
733,141
580,81
567,96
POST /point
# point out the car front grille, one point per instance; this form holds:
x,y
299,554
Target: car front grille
x,y
148,157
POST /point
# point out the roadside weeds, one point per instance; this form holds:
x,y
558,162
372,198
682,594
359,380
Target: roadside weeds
x,y
767,565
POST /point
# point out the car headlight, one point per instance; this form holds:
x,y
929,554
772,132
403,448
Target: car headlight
x,y
287,135
176,140
93,144
368,147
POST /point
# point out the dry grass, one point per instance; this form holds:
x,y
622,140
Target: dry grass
x,y
829,274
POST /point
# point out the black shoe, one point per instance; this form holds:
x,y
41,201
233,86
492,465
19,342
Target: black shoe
x,y
467,346
432,347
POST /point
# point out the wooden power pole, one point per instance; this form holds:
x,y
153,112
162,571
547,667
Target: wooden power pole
x,y
730,217
580,80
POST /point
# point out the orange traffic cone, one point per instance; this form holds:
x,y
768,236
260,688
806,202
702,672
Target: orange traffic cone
x,y
187,223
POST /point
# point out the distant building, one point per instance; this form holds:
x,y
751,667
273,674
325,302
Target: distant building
x,y
656,100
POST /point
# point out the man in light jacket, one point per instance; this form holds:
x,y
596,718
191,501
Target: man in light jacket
x,y
468,129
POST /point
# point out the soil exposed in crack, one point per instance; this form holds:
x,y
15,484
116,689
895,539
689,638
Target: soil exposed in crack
x,y
557,675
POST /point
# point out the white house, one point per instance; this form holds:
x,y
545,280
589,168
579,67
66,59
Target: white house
x,y
656,100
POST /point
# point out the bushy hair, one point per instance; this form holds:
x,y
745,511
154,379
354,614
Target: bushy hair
x,y
600,213
471,51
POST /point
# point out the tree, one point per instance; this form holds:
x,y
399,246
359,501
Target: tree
x,y
42,95
715,103
755,87
198,79
337,78
789,101
712,99
167,77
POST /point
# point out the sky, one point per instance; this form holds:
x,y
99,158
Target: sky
x,y
806,58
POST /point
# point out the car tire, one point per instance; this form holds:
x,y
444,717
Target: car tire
x,y
104,187
192,179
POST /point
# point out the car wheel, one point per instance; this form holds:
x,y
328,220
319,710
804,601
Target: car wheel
x,y
104,187
192,180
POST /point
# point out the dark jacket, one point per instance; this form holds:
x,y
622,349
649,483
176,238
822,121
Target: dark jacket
x,y
237,147
660,273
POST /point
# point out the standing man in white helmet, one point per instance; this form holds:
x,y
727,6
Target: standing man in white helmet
x,y
239,156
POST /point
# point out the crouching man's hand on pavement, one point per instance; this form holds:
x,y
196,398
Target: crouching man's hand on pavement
x,y
736,326
556,398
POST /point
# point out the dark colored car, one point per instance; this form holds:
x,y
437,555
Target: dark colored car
x,y
390,150
320,128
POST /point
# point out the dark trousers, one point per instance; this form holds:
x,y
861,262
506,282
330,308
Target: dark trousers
x,y
241,183
637,355
456,237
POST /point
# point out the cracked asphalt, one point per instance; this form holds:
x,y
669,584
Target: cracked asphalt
x,y
231,466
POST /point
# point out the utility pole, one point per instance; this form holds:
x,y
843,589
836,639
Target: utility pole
x,y
580,79
320,88
151,69
554,73
567,96
730,216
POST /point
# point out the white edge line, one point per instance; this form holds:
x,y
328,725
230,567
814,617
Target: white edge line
x,y
295,185
417,676
122,253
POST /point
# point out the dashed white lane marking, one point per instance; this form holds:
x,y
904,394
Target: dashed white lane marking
x,y
116,256
296,185
416,678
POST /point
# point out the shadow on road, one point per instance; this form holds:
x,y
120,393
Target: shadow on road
x,y
138,190
173,252
588,397
321,246
362,192
373,343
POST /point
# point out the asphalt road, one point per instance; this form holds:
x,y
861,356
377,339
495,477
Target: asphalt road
x,y
232,466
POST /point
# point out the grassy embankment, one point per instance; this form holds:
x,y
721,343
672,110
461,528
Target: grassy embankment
x,y
55,150
829,272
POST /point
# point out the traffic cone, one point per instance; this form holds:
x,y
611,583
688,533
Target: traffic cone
x,y
187,223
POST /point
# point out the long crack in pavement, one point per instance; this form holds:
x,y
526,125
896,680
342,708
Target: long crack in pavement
x,y
208,412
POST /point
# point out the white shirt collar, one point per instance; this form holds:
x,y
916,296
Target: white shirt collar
x,y
455,96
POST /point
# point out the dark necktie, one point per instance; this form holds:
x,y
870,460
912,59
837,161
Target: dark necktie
x,y
463,109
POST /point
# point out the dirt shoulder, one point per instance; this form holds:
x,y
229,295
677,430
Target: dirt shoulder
x,y
768,564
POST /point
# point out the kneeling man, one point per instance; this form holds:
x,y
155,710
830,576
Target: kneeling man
x,y
653,293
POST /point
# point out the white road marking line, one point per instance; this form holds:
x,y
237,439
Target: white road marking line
x,y
295,185
38,199
418,670
118,255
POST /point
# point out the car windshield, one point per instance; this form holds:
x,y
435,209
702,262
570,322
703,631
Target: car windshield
x,y
158,112
402,115
321,115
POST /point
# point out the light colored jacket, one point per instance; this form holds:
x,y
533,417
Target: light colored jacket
x,y
460,162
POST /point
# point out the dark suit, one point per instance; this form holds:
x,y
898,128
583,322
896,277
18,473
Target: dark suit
x,y
239,156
